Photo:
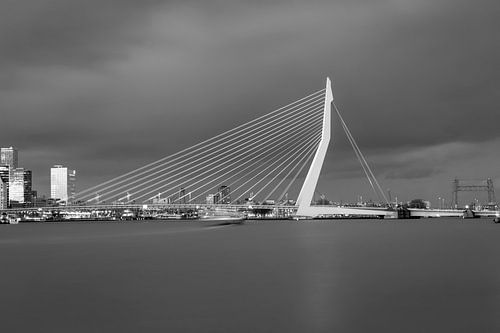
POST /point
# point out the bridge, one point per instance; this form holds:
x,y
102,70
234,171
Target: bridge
x,y
258,164
415,212
259,161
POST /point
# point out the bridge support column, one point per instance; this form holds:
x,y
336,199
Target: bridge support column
x,y
307,192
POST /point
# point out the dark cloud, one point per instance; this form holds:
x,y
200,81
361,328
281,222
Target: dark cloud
x,y
127,82
70,33
415,173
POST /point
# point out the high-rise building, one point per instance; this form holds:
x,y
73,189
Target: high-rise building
x,y
3,194
225,194
20,186
209,200
5,173
62,183
28,186
182,195
8,156
5,178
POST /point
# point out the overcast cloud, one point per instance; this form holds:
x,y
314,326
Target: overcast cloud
x,y
106,86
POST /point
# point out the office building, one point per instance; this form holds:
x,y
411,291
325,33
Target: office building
x,y
5,173
62,183
8,156
182,195
5,178
225,194
3,194
209,200
20,186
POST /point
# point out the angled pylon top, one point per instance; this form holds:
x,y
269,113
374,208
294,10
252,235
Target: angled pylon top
x,y
307,192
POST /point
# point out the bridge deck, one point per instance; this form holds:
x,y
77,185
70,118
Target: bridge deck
x,y
415,212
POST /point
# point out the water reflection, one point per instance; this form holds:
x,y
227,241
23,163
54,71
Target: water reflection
x,y
282,276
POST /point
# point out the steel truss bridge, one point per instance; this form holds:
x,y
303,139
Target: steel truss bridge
x,y
263,160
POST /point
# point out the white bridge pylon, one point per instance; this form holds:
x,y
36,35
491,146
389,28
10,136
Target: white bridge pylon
x,y
304,207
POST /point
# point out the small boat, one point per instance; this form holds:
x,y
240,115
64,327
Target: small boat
x,y
221,217
299,217
169,216
14,220
9,218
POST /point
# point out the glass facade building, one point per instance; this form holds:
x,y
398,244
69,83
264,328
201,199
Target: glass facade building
x,y
9,156
3,194
20,186
62,183
225,194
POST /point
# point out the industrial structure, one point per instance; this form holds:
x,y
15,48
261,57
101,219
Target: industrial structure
x,y
486,185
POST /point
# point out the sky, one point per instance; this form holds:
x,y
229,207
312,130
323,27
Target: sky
x,y
107,86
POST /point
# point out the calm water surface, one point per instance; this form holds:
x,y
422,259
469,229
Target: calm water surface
x,y
435,275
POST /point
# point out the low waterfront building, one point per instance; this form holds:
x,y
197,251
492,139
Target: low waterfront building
x,y
159,200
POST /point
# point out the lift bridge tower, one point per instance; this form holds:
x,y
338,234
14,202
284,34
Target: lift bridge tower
x,y
460,185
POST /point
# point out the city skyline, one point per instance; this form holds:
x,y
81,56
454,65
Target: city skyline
x,y
424,80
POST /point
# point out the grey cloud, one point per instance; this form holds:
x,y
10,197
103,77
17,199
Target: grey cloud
x,y
415,173
68,33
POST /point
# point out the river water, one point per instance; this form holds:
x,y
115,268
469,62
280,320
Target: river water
x,y
431,275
